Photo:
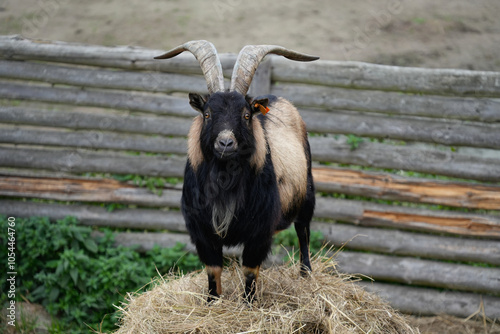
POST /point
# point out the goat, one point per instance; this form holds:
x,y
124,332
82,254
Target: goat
x,y
248,173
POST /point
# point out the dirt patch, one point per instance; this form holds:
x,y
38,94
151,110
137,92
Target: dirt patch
x,y
452,34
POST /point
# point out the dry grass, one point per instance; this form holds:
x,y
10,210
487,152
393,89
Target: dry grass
x,y
326,302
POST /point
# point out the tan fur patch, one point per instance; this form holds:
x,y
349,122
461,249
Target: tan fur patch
x,y
194,148
259,157
286,135
216,272
248,271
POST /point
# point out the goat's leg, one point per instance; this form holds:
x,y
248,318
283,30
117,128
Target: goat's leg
x,y
254,253
302,226
212,257
214,281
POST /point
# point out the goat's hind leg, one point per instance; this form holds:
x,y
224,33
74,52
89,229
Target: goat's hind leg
x,y
302,227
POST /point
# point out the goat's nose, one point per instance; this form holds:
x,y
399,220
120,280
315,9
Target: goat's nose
x,y
226,143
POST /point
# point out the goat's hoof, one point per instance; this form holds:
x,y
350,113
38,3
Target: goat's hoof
x,y
212,299
305,271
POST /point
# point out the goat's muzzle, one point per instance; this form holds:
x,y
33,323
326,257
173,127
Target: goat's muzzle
x,y
226,144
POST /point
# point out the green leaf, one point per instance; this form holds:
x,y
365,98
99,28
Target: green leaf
x,y
54,293
78,236
74,274
60,268
91,245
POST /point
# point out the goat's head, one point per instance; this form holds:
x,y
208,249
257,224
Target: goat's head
x,y
227,130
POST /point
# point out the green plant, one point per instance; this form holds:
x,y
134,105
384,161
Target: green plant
x,y
354,141
154,184
288,239
78,278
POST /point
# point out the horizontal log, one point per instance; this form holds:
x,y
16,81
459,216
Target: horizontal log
x,y
358,75
106,120
142,219
147,241
146,102
430,130
393,103
474,164
82,161
425,302
401,217
102,78
96,139
393,187
413,244
85,190
125,57
420,272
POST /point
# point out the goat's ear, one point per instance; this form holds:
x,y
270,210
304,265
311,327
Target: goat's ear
x,y
197,101
260,105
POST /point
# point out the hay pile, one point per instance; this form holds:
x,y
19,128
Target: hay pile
x,y
326,302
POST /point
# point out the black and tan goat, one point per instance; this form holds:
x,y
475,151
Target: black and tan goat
x,y
248,173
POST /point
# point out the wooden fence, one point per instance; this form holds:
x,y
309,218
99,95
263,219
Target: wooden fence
x,y
72,116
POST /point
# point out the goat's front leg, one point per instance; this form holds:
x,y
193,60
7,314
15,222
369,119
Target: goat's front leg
x,y
214,281
251,275
212,258
254,253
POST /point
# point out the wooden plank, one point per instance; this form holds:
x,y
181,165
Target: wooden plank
x,y
420,272
98,216
96,139
82,161
413,244
476,164
401,217
125,57
146,241
102,78
147,102
85,190
424,302
104,120
358,75
393,187
430,130
393,103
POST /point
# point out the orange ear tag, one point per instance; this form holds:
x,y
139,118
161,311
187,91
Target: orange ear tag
x,y
263,110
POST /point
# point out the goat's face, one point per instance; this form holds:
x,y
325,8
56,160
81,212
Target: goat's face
x,y
227,127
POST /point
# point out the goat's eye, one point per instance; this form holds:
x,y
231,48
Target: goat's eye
x,y
247,116
207,115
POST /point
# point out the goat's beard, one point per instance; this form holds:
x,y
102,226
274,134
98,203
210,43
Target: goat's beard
x,y
222,215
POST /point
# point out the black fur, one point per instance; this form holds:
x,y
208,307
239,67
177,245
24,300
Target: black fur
x,y
219,180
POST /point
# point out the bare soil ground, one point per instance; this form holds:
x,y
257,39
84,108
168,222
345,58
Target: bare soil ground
x,y
427,33
438,34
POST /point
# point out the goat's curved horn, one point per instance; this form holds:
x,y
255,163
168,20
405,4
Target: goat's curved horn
x,y
206,54
249,59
